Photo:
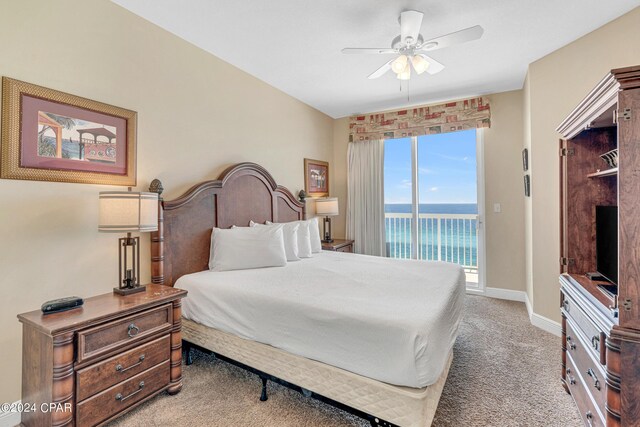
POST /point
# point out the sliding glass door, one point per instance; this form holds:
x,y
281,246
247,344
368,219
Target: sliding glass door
x,y
432,206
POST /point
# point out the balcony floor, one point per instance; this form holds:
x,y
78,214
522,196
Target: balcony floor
x,y
472,278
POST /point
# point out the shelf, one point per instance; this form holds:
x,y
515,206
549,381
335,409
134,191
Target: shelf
x,y
607,172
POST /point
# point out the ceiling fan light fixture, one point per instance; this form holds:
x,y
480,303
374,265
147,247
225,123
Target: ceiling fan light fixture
x,y
429,45
406,73
419,64
399,64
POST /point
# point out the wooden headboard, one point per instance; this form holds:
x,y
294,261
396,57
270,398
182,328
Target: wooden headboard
x,y
242,193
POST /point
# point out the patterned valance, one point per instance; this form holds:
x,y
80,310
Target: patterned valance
x,y
450,117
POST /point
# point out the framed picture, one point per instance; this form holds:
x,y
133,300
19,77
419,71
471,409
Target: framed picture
x,y
527,185
525,160
316,178
49,135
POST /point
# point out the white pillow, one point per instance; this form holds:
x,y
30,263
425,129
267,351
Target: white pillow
x,y
304,239
247,247
314,231
290,232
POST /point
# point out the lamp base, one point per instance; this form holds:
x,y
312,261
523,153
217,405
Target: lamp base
x,y
129,291
327,240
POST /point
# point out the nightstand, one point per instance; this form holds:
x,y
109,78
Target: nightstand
x,y
338,245
93,363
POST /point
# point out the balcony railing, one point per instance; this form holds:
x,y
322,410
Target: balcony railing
x,y
441,237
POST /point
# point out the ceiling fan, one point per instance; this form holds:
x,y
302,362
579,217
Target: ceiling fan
x,y
410,47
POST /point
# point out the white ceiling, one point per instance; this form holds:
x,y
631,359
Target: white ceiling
x,y
294,45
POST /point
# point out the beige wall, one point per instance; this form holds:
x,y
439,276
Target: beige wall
x,y
196,115
339,190
504,231
526,139
557,83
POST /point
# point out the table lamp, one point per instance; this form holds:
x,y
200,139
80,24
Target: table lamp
x,y
327,207
128,212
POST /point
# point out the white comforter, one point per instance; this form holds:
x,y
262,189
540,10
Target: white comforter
x,y
391,320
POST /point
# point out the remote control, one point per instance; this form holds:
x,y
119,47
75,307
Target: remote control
x,y
61,304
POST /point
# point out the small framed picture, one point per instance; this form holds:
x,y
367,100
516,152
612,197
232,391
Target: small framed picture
x,y
525,160
316,178
527,185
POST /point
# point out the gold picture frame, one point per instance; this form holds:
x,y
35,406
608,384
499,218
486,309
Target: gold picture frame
x,y
35,122
316,178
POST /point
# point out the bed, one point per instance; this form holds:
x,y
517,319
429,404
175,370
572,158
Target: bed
x,y
331,326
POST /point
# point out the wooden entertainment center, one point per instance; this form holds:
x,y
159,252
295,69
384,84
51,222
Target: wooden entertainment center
x,y
601,332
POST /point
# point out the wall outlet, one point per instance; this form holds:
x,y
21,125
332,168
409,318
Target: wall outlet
x,y
497,208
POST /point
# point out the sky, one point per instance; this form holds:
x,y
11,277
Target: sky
x,y
446,168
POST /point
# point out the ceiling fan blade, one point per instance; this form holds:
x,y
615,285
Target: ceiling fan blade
x,y
380,71
462,36
434,66
410,23
369,50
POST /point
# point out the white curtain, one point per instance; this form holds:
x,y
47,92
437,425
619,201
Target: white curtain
x,y
365,197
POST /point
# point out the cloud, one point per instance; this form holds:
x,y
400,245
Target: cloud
x,y
405,183
433,189
453,158
426,171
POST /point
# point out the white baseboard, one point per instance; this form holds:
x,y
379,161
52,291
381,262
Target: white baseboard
x,y
521,296
507,294
10,419
542,322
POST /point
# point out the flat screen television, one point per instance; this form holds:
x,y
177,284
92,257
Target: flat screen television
x,y
607,242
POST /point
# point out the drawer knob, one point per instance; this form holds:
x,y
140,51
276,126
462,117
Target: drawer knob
x,y
133,330
596,381
121,398
120,368
571,344
589,417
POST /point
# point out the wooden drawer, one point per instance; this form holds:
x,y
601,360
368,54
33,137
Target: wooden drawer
x,y
589,368
587,408
111,336
102,375
596,337
348,248
114,400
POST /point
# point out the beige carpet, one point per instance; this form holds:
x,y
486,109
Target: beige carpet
x,y
505,372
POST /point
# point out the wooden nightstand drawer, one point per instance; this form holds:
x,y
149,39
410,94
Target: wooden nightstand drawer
x,y
113,335
102,375
114,400
348,248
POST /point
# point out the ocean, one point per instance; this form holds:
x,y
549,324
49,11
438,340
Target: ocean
x,y
446,232
443,208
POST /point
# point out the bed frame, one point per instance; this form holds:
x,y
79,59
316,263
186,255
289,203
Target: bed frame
x,y
242,193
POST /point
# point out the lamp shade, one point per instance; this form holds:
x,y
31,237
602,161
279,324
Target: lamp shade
x,y
327,206
419,64
127,211
406,73
398,65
